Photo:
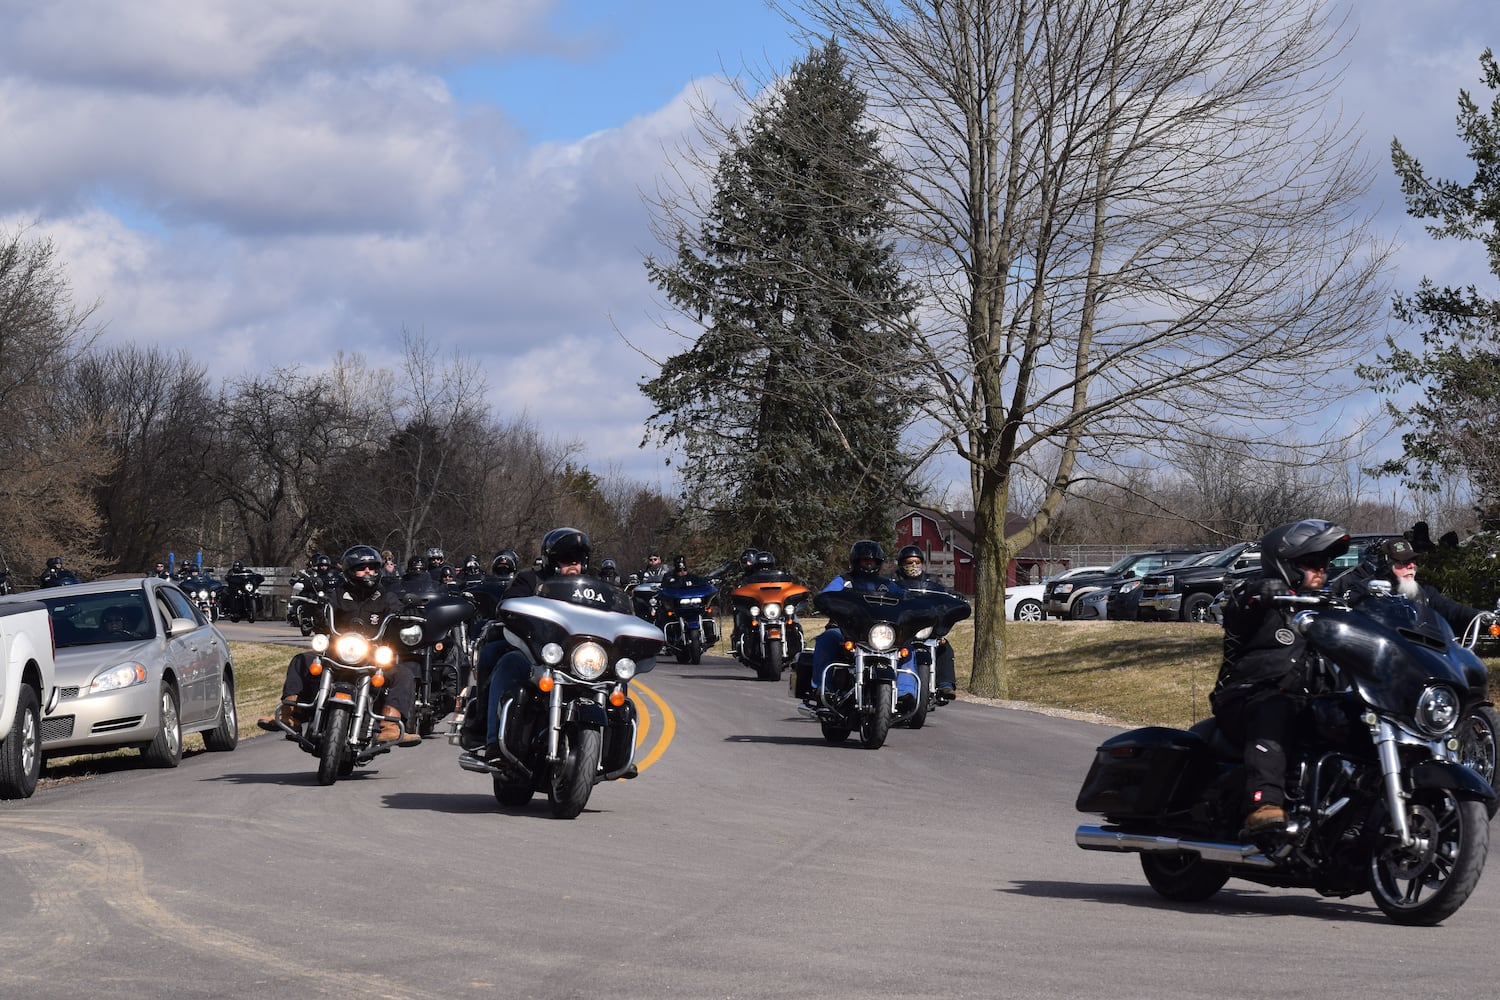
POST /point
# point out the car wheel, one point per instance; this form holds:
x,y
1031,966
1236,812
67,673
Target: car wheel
x,y
21,749
1030,611
226,735
1195,608
166,749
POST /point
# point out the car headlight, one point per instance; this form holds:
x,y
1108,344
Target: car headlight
x,y
1437,709
772,610
624,668
882,637
123,676
589,661
1063,588
1129,588
351,648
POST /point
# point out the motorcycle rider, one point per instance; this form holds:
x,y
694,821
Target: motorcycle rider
x,y
1395,561
360,605
609,572
472,572
655,569
55,575
414,567
565,552
1261,685
866,558
160,571
434,558
913,574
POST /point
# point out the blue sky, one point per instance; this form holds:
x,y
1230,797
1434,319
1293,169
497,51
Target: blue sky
x,y
274,181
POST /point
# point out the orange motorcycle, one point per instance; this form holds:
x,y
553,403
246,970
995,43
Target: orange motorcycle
x,y
767,634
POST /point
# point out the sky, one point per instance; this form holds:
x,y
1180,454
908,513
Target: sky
x,y
270,182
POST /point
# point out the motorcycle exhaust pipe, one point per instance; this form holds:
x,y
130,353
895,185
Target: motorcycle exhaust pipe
x,y
1097,838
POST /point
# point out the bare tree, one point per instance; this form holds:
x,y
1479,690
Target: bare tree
x,y
1130,222
50,457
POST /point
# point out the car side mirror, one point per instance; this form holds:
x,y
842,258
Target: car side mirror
x,y
179,625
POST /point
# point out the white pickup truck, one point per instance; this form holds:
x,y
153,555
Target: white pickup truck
x,y
27,669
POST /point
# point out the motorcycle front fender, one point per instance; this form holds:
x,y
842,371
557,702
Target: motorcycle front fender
x,y
1461,780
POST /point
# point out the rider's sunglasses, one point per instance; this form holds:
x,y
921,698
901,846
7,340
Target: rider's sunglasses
x,y
1313,562
1405,562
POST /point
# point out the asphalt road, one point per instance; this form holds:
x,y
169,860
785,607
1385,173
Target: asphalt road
x,y
750,859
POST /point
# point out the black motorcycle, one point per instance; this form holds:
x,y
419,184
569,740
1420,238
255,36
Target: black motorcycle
x,y
240,598
858,688
204,591
442,665
343,724
310,596
1378,800
572,724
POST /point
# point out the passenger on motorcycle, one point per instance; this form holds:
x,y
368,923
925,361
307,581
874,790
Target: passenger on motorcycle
x,y
565,552
434,558
1395,561
866,558
1262,683
914,575
359,606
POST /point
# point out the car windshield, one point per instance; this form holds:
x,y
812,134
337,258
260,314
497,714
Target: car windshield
x,y
97,619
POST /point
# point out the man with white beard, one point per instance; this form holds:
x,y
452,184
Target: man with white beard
x,y
1396,562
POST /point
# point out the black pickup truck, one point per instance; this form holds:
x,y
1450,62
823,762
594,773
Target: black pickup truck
x,y
1062,597
1184,593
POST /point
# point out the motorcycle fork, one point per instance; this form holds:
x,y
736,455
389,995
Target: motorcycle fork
x,y
554,723
1384,736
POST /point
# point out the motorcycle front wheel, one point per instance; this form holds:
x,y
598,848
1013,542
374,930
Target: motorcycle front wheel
x,y
770,667
335,746
874,727
1426,883
572,778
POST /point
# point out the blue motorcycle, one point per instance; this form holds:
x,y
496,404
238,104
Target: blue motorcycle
x,y
682,607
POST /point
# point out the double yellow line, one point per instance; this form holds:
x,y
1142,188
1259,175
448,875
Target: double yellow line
x,y
643,723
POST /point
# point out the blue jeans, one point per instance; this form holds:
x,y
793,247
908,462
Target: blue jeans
x,y
828,648
511,670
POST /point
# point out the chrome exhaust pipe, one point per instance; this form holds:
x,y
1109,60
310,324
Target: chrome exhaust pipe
x,y
1097,838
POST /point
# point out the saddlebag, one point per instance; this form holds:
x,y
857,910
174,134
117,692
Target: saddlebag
x,y
1143,772
802,676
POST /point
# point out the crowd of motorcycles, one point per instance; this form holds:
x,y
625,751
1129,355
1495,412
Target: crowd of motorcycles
x,y
1385,799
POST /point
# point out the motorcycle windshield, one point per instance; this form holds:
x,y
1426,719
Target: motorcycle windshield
x,y
1391,649
561,612
909,611
690,587
763,592
586,592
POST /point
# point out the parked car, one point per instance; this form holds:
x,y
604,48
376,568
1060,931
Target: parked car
x,y
1023,602
138,665
1062,595
1185,591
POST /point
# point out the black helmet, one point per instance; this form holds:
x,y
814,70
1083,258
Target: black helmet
x,y
358,557
322,562
679,565
1284,546
747,559
506,561
54,562
866,557
434,557
471,564
910,552
607,565
413,564
562,545
236,567
764,560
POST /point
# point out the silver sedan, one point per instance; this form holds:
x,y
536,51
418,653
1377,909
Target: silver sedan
x,y
138,666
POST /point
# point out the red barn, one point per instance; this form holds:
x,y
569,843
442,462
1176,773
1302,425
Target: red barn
x,y
948,540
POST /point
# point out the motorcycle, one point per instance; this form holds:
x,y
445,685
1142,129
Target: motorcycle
x,y
239,599
858,691
1479,733
304,609
572,724
926,656
1378,799
343,725
770,636
203,590
685,614
443,665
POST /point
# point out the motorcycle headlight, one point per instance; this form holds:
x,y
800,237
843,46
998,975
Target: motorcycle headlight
x,y
552,654
1437,709
772,610
202,595
123,676
411,635
589,661
882,637
351,649
624,668
925,633
249,588
319,643
384,656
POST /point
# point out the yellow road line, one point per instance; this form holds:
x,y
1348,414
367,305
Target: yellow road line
x,y
668,724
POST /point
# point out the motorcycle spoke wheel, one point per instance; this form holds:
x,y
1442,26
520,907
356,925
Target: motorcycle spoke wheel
x,y
1425,883
1477,737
